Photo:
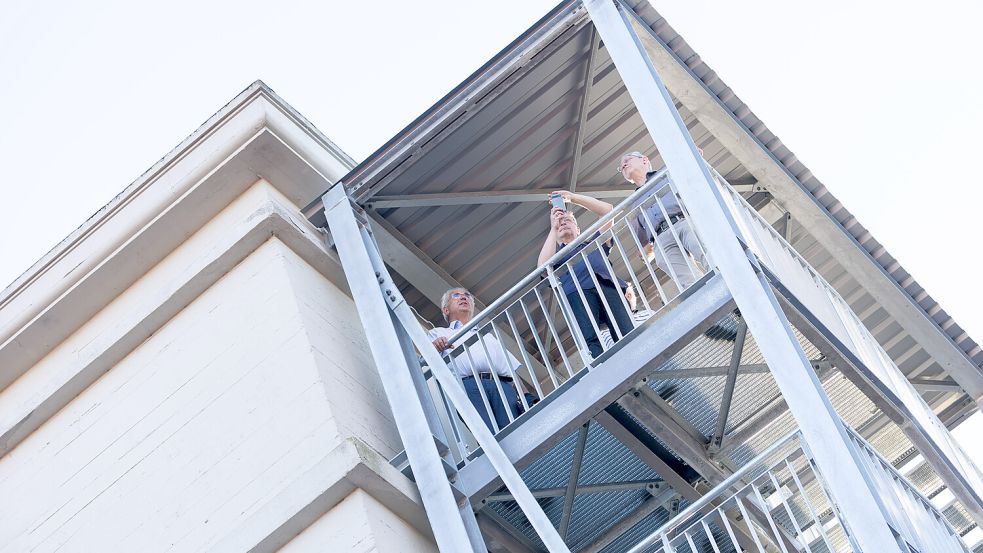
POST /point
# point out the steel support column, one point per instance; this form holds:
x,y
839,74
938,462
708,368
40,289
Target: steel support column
x,y
837,459
452,531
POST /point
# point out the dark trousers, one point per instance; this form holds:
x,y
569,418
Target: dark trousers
x,y
494,401
622,318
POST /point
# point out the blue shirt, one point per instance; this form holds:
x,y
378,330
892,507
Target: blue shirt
x,y
580,269
642,230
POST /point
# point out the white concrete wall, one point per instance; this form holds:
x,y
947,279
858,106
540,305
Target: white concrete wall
x,y
246,391
360,524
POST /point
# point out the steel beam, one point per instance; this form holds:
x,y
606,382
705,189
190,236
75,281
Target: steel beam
x,y
728,395
571,491
648,506
640,450
504,196
747,429
706,372
539,46
578,144
849,486
492,451
507,537
679,437
589,488
936,385
486,197
860,375
450,528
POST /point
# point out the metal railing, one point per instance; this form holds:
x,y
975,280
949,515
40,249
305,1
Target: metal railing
x,y
539,335
829,307
778,502
909,512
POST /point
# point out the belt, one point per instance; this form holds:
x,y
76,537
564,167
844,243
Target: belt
x,y
664,225
488,376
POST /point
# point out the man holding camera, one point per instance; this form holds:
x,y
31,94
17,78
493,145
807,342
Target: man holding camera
x,y
563,230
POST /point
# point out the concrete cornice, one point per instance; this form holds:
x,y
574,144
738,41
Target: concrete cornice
x,y
255,136
351,466
260,214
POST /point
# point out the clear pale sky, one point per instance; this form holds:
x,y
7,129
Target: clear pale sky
x,y
881,100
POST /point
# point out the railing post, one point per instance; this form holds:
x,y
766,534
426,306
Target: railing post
x,y
765,319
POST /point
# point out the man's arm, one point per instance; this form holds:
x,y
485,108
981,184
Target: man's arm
x,y
595,206
549,246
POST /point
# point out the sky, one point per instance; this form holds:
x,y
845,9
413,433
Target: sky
x,y
881,100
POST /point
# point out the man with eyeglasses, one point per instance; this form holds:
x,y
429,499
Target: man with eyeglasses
x,y
477,361
636,168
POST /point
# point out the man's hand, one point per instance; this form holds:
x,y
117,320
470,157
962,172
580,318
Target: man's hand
x,y
565,194
556,215
441,344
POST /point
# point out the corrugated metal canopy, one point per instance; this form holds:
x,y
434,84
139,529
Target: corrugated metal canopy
x,y
464,183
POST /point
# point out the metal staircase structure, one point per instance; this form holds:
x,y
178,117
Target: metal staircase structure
x,y
751,410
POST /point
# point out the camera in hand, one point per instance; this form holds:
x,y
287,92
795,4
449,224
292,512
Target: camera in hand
x,y
557,201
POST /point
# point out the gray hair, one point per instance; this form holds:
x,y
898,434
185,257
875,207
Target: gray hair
x,y
445,301
639,155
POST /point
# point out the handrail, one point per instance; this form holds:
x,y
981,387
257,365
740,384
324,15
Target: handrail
x,y
896,475
625,205
701,503
861,342
756,489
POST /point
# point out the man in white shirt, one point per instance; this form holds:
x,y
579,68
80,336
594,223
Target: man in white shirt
x,y
486,369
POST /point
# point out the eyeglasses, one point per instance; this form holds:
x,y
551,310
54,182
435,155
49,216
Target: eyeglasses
x,y
624,160
459,295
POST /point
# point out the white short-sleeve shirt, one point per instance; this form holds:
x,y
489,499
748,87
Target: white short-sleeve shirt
x,y
470,356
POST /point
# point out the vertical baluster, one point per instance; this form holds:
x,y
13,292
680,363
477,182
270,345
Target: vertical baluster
x,y
519,388
610,268
612,325
730,531
631,273
556,335
655,244
709,534
648,265
752,529
525,355
690,263
575,331
788,510
771,521
685,211
481,389
494,374
583,299
666,545
808,503
460,446
539,343
689,540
